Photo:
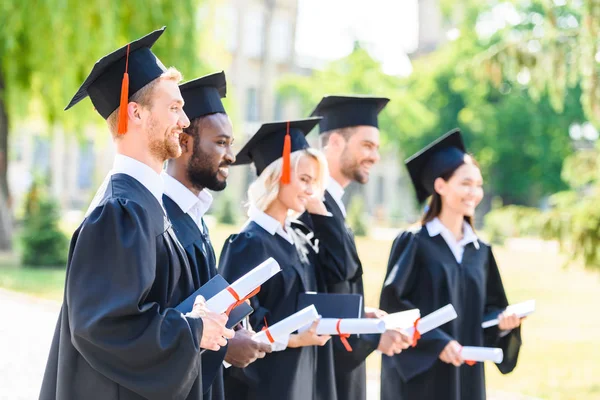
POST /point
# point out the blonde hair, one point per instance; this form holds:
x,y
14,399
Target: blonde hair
x,y
264,190
144,96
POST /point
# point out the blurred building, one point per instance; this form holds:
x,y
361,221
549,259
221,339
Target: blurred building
x,y
253,41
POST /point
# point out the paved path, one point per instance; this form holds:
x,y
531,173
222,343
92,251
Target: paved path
x,y
25,334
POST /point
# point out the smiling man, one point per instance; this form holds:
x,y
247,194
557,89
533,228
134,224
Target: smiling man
x,y
119,333
350,141
203,166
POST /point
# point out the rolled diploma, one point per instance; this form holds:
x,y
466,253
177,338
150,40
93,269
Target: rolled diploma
x,y
220,302
433,320
482,354
328,326
520,309
286,326
402,319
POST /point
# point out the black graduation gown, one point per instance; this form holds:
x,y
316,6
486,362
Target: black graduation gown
x,y
118,335
342,269
423,273
203,265
303,373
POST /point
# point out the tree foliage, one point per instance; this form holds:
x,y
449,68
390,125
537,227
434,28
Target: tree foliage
x,y
519,143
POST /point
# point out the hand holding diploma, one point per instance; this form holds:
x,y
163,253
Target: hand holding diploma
x,y
282,330
309,337
452,354
430,322
393,341
214,332
511,317
243,288
243,351
508,321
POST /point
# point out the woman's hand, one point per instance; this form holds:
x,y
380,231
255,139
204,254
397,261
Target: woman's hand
x,y
451,354
508,321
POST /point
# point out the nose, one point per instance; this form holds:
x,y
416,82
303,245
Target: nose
x,y
376,155
309,189
184,121
229,156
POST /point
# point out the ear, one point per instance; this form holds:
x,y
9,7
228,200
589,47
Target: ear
x,y
135,112
439,185
186,142
336,141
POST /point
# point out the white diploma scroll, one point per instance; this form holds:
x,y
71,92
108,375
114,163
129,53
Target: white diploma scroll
x,y
433,320
481,354
286,326
402,319
220,302
352,326
520,309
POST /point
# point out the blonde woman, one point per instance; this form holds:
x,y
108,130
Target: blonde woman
x,y
302,367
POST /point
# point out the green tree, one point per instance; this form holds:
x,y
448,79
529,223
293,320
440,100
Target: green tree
x,y
43,243
48,47
519,143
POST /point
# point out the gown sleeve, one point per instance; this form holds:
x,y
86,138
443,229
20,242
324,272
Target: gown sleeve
x,y
148,349
496,302
241,253
336,250
397,290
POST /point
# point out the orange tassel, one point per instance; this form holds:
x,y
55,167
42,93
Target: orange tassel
x,y
286,174
122,125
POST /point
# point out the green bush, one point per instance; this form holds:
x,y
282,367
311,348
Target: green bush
x,y
357,218
226,213
513,221
42,242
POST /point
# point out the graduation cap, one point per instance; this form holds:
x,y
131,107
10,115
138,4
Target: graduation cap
x,y
117,76
203,95
438,158
274,140
346,111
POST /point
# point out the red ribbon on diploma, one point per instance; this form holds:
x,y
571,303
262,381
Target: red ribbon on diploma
x,y
239,301
416,333
266,329
343,336
470,363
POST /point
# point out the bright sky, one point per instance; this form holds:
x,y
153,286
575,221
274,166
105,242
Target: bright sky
x,y
327,30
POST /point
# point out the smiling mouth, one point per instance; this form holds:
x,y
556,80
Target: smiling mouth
x,y
224,171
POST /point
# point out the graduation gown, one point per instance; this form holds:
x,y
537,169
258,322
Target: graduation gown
x,y
342,270
302,373
118,335
203,267
423,273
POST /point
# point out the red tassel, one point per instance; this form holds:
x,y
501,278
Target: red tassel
x,y
286,174
122,125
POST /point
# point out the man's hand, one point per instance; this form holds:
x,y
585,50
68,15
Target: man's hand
x,y
308,337
243,351
393,342
214,332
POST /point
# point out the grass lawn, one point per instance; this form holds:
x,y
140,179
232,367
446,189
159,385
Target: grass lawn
x,y
559,357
